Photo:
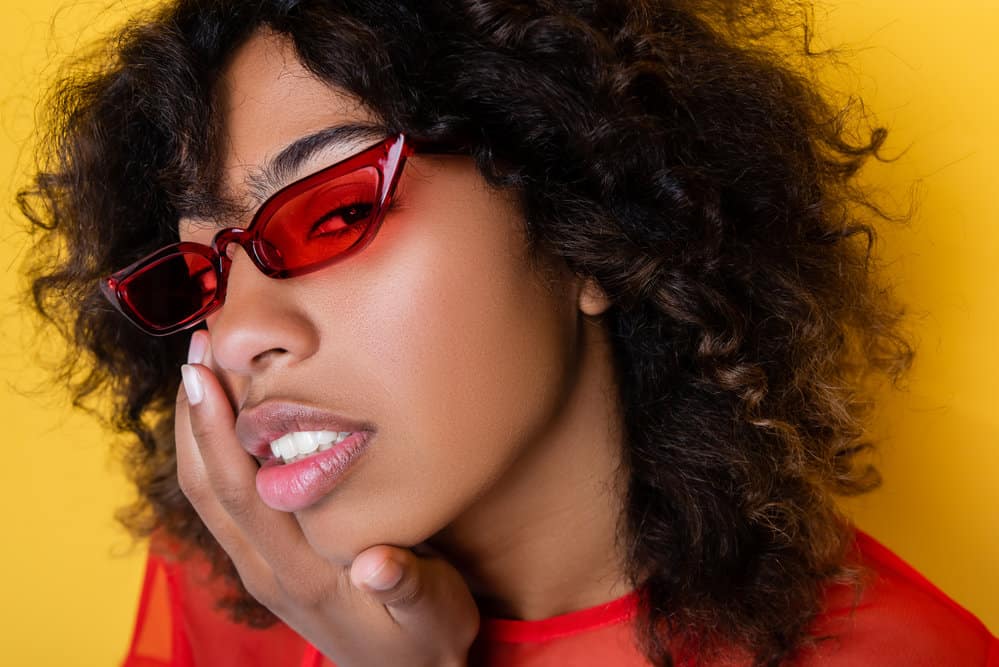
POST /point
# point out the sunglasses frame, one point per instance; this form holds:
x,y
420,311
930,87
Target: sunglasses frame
x,y
388,157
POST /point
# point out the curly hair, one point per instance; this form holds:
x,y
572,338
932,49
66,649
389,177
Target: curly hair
x,y
666,149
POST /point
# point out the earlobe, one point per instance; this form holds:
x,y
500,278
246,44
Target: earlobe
x,y
592,298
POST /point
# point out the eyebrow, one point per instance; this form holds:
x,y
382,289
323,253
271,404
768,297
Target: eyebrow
x,y
262,182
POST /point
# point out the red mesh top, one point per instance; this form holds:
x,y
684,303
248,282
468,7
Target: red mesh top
x,y
900,619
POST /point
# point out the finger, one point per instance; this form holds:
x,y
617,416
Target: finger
x,y
427,596
193,477
231,473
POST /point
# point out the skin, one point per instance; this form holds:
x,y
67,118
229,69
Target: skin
x,y
490,383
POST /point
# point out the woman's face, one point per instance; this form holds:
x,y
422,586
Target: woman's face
x,y
439,333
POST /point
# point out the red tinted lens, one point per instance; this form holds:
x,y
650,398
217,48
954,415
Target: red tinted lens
x,y
171,290
321,222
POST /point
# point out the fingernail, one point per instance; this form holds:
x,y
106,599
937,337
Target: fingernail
x,y
192,384
385,576
196,351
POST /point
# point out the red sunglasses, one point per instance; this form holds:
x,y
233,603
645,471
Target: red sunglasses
x,y
312,223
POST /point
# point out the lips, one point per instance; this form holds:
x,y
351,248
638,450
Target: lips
x,y
295,486
258,426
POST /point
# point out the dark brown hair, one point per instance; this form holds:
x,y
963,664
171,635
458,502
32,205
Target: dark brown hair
x,y
666,148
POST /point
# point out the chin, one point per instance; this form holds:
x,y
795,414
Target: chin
x,y
342,547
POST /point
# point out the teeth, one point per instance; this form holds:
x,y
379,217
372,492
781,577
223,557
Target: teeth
x,y
306,442
295,446
286,445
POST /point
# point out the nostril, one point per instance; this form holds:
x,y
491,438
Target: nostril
x,y
270,354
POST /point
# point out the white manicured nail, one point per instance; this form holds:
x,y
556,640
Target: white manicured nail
x,y
196,351
192,384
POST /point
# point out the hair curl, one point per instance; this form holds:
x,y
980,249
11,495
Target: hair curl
x,y
664,148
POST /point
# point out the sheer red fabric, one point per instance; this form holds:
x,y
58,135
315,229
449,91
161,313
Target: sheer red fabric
x,y
899,619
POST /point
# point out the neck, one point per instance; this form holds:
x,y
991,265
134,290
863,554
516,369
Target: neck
x,y
543,540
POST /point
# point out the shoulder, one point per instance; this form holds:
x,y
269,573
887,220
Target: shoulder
x,y
895,617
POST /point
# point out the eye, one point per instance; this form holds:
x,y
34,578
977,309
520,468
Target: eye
x,y
339,220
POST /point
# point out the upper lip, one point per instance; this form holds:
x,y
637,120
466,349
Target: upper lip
x,y
258,426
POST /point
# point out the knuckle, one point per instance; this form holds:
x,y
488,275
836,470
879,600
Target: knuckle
x,y
233,499
202,431
263,592
192,485
409,592
303,589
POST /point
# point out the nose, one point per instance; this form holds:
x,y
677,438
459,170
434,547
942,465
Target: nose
x,y
261,324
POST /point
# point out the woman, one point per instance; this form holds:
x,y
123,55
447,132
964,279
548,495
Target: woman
x,y
516,333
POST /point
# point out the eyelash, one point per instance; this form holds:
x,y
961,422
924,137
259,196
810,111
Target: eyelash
x,y
397,203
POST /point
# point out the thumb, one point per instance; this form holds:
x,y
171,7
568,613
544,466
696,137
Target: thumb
x,y
379,572
422,593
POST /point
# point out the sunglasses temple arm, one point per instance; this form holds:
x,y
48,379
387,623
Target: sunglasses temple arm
x,y
396,154
108,287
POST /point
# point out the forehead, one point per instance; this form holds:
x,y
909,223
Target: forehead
x,y
268,100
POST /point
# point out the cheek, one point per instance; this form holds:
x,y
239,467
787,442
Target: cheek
x,y
469,353
471,342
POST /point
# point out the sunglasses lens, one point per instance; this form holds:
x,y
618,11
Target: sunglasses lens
x,y
172,290
325,219
308,224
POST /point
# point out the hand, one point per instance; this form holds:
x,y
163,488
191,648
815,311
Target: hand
x,y
416,611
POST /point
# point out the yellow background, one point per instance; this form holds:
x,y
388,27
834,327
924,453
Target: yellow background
x,y
69,582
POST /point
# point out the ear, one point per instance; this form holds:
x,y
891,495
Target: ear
x,y
592,300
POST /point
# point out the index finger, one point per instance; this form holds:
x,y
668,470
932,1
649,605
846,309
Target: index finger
x,y
206,430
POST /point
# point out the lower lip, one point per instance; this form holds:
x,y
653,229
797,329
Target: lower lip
x,y
290,487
